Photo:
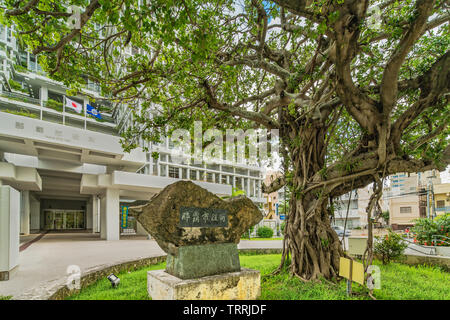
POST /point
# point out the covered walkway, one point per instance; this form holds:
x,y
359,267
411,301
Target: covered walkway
x,y
44,262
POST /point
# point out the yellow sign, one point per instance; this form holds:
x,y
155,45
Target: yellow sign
x,y
351,270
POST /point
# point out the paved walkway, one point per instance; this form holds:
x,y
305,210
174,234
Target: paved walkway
x,y
45,261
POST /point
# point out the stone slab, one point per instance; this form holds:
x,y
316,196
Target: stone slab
x,y
203,260
242,285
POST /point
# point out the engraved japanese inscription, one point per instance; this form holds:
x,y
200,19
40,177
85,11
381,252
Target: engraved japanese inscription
x,y
203,217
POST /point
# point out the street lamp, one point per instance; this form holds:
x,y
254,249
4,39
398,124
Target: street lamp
x,y
430,182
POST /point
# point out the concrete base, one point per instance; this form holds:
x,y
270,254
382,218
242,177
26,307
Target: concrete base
x,y
241,285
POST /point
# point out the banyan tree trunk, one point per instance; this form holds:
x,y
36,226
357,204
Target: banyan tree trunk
x,y
313,245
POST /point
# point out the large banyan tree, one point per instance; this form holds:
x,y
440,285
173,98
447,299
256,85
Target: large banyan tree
x,y
358,89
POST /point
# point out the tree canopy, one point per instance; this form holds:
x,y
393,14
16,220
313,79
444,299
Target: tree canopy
x,y
358,89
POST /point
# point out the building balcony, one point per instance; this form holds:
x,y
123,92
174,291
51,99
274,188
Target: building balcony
x,y
53,141
443,209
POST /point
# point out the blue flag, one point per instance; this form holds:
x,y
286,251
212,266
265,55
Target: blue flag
x,y
92,111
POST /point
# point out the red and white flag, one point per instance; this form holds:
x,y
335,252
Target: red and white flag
x,y
78,107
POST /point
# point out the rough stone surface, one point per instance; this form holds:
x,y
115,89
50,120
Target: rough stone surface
x,y
203,260
241,285
161,217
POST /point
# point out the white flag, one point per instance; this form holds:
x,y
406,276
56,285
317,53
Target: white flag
x,y
78,107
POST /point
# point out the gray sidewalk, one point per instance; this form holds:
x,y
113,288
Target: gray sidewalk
x,y
45,261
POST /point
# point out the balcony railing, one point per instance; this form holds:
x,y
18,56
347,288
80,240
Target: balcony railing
x,y
20,97
27,106
443,209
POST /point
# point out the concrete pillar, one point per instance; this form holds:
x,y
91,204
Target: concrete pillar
x,y
9,230
103,217
25,213
43,93
35,214
89,214
110,224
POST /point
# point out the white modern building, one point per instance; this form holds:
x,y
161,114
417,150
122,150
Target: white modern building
x,y
62,170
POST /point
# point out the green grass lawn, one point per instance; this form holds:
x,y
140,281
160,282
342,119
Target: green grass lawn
x,y
261,239
5,297
398,281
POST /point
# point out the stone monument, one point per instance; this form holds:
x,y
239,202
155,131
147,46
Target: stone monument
x,y
199,232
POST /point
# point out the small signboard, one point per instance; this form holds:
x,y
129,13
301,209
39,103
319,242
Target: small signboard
x,y
282,216
124,217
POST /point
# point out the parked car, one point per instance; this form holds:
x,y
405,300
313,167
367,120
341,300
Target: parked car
x,y
340,231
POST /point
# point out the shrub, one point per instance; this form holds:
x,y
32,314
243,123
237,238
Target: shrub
x,y
247,233
22,112
20,68
56,105
16,85
389,247
424,230
264,232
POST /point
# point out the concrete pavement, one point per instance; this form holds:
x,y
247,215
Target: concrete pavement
x,y
45,261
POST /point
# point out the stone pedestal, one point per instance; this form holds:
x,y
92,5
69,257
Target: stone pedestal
x,y
241,285
9,231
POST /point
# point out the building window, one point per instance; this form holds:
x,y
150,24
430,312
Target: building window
x,y
405,210
238,183
227,169
184,173
440,203
193,175
224,179
174,172
210,177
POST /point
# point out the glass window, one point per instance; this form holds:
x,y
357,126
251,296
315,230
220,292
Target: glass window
x,y
210,177
405,210
227,169
252,188
243,172
174,172
224,179
184,173
193,175
238,183
254,173
163,170
440,203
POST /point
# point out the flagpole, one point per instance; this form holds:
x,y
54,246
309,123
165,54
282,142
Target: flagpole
x,y
64,110
85,110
